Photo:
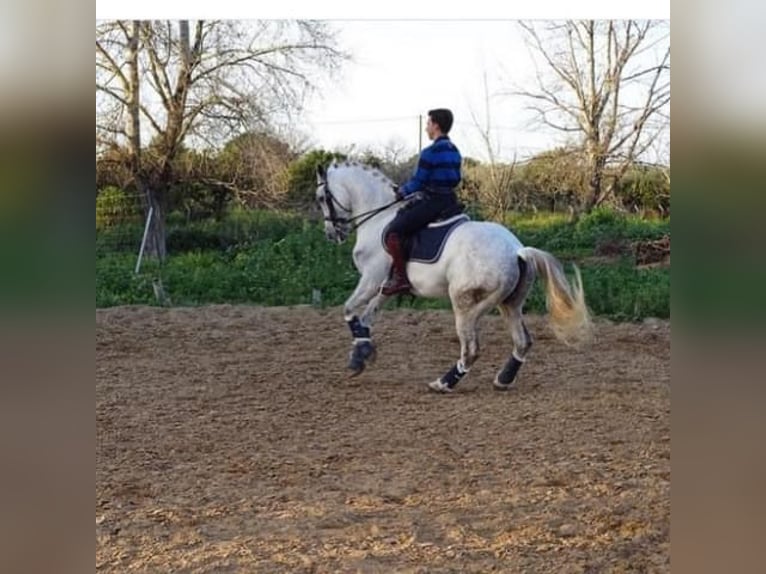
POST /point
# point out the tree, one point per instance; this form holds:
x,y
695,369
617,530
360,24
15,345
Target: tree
x,y
254,167
202,81
554,179
394,158
606,82
495,193
302,175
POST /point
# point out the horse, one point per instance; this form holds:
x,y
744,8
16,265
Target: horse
x,y
482,266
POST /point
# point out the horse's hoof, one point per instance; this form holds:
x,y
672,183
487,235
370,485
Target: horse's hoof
x,y
501,387
365,351
356,366
361,354
440,387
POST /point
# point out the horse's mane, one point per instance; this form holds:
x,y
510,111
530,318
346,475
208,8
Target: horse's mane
x,y
357,166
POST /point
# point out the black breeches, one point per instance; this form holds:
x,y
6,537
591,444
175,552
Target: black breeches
x,y
420,213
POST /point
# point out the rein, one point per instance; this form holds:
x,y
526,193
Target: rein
x,y
332,201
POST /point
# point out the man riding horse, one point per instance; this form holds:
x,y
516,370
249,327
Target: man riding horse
x,y
481,266
436,177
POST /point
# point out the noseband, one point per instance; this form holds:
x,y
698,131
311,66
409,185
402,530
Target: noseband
x,y
331,201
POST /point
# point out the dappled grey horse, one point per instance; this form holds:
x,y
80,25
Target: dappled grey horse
x,y
482,265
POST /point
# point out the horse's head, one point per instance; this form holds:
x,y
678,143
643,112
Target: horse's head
x,y
334,206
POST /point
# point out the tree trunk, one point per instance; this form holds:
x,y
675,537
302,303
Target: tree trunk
x,y
596,193
156,193
155,240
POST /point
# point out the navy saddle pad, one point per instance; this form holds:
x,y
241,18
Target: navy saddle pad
x,y
427,244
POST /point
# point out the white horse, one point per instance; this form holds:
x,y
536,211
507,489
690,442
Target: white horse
x,y
482,266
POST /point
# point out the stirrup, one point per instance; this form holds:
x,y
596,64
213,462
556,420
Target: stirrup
x,y
396,285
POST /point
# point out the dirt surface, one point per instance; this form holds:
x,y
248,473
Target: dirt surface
x,y
229,439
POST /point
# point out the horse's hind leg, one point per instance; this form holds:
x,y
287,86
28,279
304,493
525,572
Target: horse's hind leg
x,y
522,341
510,309
466,327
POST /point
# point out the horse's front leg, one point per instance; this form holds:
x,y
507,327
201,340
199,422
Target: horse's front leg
x,y
363,350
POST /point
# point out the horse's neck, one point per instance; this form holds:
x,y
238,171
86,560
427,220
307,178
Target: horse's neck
x,y
369,196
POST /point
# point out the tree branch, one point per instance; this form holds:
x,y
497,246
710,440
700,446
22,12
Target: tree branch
x,y
154,123
112,65
161,83
111,129
559,70
110,92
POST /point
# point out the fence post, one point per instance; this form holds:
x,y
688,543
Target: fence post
x,y
420,133
143,240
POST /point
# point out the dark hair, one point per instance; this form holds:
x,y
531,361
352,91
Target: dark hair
x,y
442,117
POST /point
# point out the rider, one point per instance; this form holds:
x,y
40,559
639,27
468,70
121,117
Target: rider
x,y
436,177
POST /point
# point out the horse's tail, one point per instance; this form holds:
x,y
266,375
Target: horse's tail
x,y
568,314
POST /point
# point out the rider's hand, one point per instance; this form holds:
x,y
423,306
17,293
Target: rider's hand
x,y
398,193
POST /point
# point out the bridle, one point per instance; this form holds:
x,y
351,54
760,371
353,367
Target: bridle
x,y
353,223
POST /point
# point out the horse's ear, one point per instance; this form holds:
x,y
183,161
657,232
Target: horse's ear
x,y
321,173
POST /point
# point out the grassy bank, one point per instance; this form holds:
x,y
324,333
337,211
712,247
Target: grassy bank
x,y
280,259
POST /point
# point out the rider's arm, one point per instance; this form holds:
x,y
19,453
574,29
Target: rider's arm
x,y
422,174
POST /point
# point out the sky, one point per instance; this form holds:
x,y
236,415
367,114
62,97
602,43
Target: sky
x,y
404,63
401,69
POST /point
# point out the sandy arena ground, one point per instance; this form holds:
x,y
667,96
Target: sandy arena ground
x,y
229,439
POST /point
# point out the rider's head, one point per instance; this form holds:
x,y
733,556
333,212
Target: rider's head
x,y
439,119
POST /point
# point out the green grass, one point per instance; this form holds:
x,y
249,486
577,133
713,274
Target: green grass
x,y
268,258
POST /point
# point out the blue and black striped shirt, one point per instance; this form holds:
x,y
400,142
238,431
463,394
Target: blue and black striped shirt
x,y
438,169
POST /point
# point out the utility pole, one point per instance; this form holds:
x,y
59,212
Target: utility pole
x,y
420,133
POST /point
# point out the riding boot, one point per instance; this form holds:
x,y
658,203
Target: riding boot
x,y
397,282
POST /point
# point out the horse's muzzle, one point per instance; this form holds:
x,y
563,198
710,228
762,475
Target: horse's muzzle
x,y
336,235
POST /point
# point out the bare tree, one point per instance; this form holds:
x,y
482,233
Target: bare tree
x,y
394,151
202,81
495,192
253,166
607,83
397,159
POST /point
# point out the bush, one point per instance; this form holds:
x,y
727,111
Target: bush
x,y
645,189
116,207
487,190
625,293
601,225
302,179
113,168
237,231
255,164
550,231
198,201
554,180
270,258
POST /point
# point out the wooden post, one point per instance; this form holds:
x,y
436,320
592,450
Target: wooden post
x,y
420,133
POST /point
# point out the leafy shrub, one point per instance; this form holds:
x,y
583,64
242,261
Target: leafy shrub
x,y
625,293
199,201
116,207
272,258
600,225
301,175
645,188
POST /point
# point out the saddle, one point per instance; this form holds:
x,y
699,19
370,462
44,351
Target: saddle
x,y
426,245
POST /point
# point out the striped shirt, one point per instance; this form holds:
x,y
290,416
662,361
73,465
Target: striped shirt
x,y
438,169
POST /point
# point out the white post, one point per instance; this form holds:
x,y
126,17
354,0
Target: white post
x,y
143,240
